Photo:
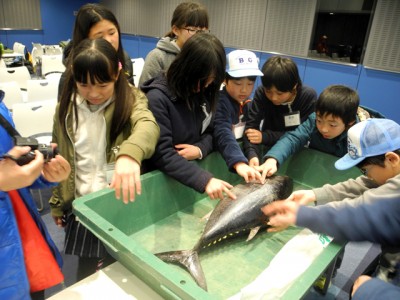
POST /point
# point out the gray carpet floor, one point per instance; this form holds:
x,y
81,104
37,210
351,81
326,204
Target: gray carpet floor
x,y
357,257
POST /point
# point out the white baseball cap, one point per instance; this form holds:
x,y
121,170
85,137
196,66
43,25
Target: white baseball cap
x,y
242,63
369,138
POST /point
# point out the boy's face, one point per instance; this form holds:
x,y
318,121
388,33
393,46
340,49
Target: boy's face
x,y
239,89
278,97
329,126
381,174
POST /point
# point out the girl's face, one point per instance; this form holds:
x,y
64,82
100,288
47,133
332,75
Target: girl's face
x,y
277,97
239,89
330,126
183,34
106,30
97,93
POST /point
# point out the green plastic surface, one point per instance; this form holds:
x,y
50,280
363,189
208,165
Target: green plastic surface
x,y
168,216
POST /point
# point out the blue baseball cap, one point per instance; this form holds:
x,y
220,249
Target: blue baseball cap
x,y
242,63
369,138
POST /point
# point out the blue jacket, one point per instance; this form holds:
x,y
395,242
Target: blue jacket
x,y
305,133
263,111
13,279
179,124
376,289
378,222
227,114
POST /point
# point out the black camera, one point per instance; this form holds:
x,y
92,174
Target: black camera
x,y
47,150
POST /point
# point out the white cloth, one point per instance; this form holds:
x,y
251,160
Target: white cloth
x,y
90,148
296,256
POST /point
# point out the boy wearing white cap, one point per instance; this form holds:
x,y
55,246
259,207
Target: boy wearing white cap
x,y
374,147
241,73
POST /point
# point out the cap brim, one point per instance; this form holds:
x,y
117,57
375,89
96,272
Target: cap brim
x,y
346,162
245,73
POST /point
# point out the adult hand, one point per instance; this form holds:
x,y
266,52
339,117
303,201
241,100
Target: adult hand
x,y
216,188
254,162
187,151
359,281
13,176
126,177
254,136
268,168
282,214
248,173
57,169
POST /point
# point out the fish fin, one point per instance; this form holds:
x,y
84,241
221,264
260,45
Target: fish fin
x,y
253,233
207,216
189,259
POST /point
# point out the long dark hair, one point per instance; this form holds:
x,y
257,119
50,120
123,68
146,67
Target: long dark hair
x,y
202,56
189,14
97,61
88,16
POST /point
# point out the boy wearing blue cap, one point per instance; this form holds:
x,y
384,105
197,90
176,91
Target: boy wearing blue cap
x,y
241,73
373,147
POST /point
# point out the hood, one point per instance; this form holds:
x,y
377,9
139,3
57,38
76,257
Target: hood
x,y
166,44
159,83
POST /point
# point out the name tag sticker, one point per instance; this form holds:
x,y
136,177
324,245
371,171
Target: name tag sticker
x,y
238,129
292,119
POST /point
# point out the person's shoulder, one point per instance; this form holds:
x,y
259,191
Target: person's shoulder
x,y
308,90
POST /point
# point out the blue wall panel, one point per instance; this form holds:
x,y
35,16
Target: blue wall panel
x,y
319,75
55,28
381,91
131,44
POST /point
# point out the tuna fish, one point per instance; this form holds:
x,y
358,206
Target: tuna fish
x,y
231,218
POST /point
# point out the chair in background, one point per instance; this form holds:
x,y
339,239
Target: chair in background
x,y
2,64
52,63
13,93
37,52
18,74
137,64
42,89
35,119
19,48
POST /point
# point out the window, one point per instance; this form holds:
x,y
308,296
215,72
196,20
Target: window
x,y
341,30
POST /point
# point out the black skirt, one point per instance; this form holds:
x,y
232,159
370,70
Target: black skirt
x,y
81,241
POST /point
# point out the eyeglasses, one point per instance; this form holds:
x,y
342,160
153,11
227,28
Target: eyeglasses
x,y
365,171
192,31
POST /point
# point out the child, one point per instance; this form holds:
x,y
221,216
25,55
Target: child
x,y
100,121
241,73
188,19
183,101
374,147
325,130
97,21
279,105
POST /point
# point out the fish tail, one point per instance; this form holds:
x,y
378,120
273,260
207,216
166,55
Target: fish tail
x,y
189,259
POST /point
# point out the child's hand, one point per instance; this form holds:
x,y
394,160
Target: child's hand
x,y
254,162
126,178
268,168
248,173
254,136
282,214
190,152
302,197
216,188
